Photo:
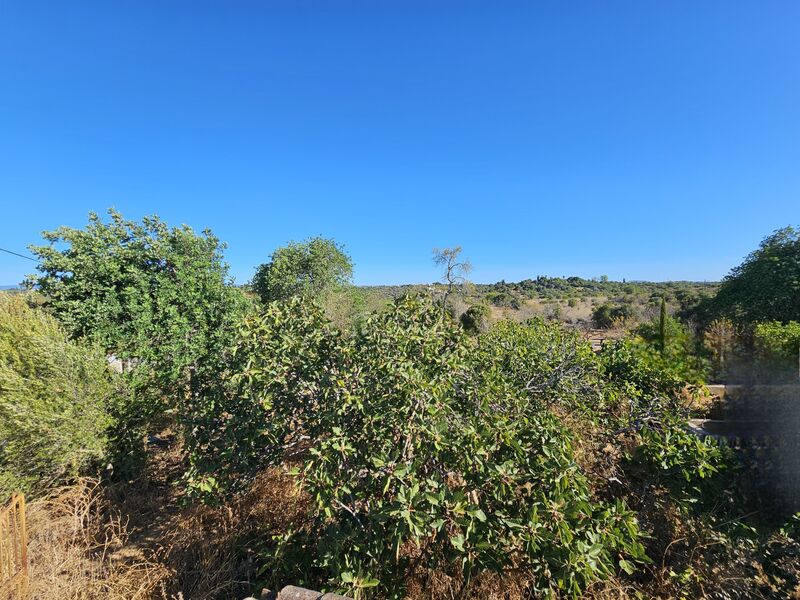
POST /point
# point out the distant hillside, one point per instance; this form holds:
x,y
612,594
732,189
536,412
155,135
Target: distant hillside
x,y
568,299
570,287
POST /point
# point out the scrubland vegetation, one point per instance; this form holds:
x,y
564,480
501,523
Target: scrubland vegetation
x,y
443,441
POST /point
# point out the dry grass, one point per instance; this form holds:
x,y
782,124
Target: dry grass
x,y
73,540
140,541
436,585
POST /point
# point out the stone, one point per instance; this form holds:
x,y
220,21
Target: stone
x,y
291,592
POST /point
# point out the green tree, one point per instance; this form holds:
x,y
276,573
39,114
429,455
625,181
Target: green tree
x,y
309,269
608,315
156,297
765,287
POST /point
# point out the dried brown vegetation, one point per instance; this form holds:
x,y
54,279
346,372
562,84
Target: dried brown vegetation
x,y
74,540
138,540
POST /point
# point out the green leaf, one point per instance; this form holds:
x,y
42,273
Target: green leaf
x,y
627,566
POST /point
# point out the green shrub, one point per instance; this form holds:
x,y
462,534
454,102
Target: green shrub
x,y
503,299
309,269
668,343
639,374
544,361
414,440
269,400
417,451
475,318
778,346
608,315
683,462
55,396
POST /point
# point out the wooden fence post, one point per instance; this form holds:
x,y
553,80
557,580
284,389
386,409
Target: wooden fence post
x,y
14,549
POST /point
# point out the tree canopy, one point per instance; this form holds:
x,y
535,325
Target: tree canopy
x,y
307,269
142,291
766,286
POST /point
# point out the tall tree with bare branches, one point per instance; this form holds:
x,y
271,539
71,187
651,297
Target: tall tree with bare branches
x,y
454,270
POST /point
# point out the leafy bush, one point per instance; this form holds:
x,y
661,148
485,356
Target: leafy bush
x,y
422,448
503,299
268,401
55,396
475,318
544,361
681,461
636,373
156,297
348,306
608,315
778,345
668,343
665,452
419,447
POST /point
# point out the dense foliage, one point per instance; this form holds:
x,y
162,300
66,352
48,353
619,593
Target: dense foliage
x,y
608,315
309,269
424,450
476,318
149,294
156,298
270,400
422,447
766,286
421,439
545,363
55,400
778,346
671,346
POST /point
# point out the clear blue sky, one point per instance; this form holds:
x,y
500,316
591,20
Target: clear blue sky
x,y
646,140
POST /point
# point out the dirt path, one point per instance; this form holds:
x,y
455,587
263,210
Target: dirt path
x,y
151,505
